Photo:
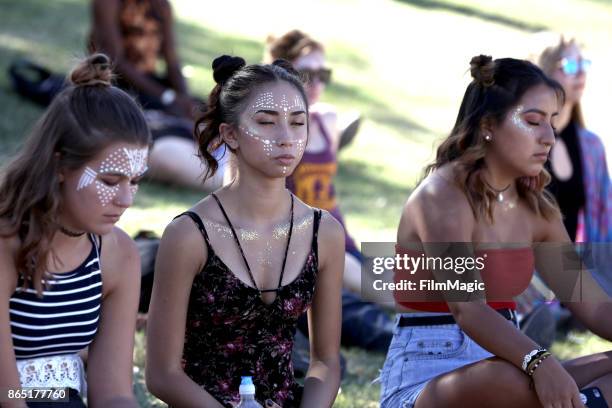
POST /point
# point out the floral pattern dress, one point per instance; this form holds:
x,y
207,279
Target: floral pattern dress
x,y
231,332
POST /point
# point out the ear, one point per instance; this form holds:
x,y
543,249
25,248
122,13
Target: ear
x,y
229,135
487,128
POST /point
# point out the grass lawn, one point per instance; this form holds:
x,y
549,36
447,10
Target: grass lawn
x,y
402,64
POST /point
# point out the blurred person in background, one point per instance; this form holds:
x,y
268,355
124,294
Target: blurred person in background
x,y
364,324
138,35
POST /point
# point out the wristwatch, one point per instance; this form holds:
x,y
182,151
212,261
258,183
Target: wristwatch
x,y
167,97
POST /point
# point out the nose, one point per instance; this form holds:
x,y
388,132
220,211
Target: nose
x,y
547,138
284,137
125,195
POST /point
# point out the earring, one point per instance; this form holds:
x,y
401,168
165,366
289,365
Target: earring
x,y
487,138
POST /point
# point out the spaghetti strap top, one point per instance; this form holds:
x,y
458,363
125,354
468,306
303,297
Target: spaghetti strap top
x,y
231,332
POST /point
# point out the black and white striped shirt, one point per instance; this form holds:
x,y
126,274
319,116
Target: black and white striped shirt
x,y
65,319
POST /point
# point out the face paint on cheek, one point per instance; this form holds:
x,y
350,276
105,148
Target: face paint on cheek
x,y
106,194
518,121
89,176
265,143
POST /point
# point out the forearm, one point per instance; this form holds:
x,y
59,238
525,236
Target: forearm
x,y
478,321
177,389
595,316
321,383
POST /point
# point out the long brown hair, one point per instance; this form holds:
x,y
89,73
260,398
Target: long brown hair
x,y
82,120
497,87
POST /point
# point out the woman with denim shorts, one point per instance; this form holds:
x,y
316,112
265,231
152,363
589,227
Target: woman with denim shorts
x,y
483,203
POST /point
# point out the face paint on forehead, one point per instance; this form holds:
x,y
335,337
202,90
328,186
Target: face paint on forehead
x,y
127,162
267,101
518,121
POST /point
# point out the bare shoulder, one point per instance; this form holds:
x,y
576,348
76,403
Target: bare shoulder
x,y
437,209
330,229
120,260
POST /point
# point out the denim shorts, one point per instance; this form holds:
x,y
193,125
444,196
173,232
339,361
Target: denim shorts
x,y
418,354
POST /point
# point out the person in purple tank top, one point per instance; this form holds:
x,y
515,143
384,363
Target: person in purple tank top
x,y
365,324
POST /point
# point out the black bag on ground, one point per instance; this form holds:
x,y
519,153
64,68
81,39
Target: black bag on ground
x,y
35,82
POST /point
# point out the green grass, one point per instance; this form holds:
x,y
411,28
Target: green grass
x,y
402,64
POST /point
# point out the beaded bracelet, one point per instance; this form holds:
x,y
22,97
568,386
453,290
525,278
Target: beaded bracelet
x,y
531,356
533,366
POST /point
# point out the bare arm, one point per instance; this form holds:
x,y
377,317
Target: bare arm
x,y
181,255
9,377
438,223
109,364
562,270
173,64
107,39
324,319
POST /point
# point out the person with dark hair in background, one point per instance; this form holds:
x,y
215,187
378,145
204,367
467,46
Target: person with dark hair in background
x,y
456,352
234,274
364,324
70,277
137,34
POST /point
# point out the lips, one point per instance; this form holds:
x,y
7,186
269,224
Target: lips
x,y
285,159
542,156
112,217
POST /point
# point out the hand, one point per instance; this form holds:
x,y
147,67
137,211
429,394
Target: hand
x,y
555,387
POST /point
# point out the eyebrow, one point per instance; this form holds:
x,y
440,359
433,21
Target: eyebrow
x,y
541,112
273,112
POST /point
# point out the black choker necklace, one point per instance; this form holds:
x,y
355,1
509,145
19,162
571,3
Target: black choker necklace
x,y
71,233
499,193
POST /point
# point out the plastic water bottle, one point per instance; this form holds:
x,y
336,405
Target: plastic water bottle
x,y
247,394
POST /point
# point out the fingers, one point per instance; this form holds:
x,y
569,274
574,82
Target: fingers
x,y
577,402
271,404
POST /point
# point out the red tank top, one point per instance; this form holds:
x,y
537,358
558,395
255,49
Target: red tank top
x,y
506,274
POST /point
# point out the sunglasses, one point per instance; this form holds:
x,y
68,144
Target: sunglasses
x,y
572,66
323,75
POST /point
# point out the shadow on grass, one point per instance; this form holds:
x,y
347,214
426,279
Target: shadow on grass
x,y
475,12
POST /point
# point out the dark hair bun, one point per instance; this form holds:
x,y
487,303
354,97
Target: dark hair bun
x,y
225,66
91,71
286,65
482,69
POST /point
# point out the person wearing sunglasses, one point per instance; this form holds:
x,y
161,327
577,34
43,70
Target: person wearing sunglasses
x,y
364,324
580,180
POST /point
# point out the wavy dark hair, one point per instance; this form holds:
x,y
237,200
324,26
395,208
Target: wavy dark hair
x,y
236,81
83,119
497,87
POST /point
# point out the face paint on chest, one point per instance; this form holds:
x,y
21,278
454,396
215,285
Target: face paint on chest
x,y
124,162
518,121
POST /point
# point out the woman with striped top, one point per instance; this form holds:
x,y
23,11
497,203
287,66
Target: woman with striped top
x,y
70,277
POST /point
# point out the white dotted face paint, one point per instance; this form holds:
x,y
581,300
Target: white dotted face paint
x,y
282,106
123,162
518,121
